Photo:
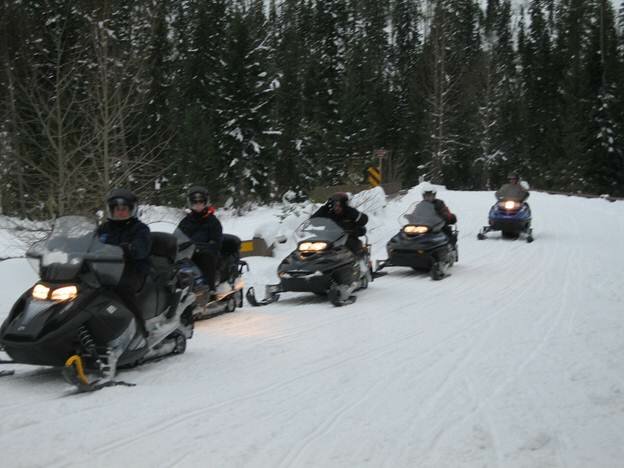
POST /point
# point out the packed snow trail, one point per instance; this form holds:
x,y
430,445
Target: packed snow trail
x,y
514,360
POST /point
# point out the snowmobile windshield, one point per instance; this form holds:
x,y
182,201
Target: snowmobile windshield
x,y
512,192
422,214
73,241
319,229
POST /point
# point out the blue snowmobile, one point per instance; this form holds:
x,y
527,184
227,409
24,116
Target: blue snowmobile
x,y
510,216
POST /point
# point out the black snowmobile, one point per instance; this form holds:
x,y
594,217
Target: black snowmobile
x,y
230,283
421,243
321,264
73,319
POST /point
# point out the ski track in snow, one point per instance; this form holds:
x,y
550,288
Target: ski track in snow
x,y
513,360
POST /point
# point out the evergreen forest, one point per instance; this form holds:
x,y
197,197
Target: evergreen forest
x,y
261,99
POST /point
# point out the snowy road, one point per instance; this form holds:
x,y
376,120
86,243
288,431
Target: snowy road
x,y
515,360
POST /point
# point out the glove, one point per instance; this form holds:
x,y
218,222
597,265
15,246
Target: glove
x,y
452,219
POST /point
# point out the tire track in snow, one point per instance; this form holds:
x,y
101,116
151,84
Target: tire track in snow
x,y
550,329
466,355
190,415
294,454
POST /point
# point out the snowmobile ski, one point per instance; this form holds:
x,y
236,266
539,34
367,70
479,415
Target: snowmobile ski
x,y
269,299
74,374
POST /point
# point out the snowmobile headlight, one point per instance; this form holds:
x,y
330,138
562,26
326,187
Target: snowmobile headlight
x,y
310,247
412,229
510,205
40,292
66,293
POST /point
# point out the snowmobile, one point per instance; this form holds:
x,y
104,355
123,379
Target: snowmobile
x,y
73,319
321,264
229,294
421,243
511,217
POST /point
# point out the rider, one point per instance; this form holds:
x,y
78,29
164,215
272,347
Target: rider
x,y
429,193
124,229
348,218
513,190
204,229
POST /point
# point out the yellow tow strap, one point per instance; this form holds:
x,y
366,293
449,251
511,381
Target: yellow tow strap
x,y
77,361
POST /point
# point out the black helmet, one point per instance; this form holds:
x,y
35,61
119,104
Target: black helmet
x,y
338,198
197,193
121,197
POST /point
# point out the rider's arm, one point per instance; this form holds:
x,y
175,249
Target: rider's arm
x,y
358,218
444,212
140,246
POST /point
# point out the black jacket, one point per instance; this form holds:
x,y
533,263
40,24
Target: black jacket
x,y
133,237
204,229
351,220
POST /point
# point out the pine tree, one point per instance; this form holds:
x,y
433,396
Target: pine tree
x,y
452,53
407,98
500,109
199,137
291,170
604,158
540,94
246,146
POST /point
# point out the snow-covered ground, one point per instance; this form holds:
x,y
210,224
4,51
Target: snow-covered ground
x,y
515,360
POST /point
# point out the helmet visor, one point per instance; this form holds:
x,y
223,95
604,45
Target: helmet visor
x,y
196,198
120,209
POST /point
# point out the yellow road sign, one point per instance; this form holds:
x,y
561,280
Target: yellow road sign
x,y
247,246
374,176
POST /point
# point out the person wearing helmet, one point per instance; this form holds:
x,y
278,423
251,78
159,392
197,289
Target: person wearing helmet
x,y
429,194
124,229
204,229
513,190
348,218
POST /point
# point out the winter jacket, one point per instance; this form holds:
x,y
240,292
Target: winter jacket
x,y
133,237
443,211
515,192
351,220
204,229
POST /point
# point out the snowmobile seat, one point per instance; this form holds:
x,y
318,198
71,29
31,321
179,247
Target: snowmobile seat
x,y
163,253
230,256
164,245
230,246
